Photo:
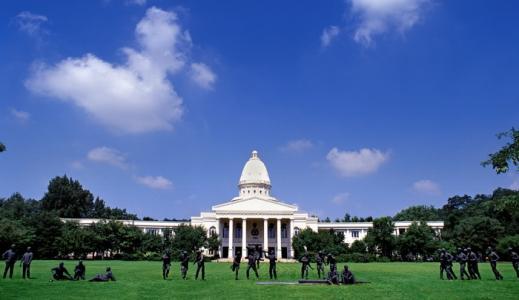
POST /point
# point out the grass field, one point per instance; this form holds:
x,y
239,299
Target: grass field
x,y
142,280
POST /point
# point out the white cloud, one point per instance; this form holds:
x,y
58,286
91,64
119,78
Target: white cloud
x,y
155,182
329,33
30,23
340,198
21,116
108,156
379,16
202,75
356,163
515,185
426,186
76,164
297,146
134,97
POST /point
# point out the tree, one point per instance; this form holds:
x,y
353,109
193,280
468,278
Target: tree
x,y
359,246
507,155
477,232
380,237
2,147
419,213
67,198
213,243
327,241
189,238
419,239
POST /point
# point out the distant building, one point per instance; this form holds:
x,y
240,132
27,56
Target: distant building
x,y
257,219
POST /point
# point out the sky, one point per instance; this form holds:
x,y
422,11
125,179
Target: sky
x,y
363,107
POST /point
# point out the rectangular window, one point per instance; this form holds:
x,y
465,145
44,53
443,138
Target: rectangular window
x,y
401,231
284,231
354,233
272,232
237,233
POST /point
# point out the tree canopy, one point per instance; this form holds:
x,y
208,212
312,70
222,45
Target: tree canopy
x,y
419,213
507,155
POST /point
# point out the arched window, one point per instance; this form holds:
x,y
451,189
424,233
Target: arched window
x,y
297,230
212,231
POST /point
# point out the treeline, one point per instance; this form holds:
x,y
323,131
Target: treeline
x,y
477,222
29,222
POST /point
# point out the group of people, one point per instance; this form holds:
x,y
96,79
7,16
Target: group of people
x,y
61,273
346,276
58,273
184,264
468,258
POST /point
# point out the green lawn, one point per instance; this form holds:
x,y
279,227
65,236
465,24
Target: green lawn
x,y
142,280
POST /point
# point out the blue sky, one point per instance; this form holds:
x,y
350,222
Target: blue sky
x,y
357,106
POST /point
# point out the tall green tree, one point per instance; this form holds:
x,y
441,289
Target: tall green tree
x,y
419,239
67,198
477,232
380,237
189,238
507,155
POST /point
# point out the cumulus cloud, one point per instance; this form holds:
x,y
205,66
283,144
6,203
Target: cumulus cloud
x,y
297,146
340,198
329,33
356,163
426,186
30,23
155,182
21,116
376,17
134,97
108,156
202,75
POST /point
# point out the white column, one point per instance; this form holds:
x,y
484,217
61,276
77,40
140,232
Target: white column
x,y
278,238
243,238
231,237
219,237
291,255
265,235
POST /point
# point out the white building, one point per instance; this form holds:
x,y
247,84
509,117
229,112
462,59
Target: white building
x,y
255,218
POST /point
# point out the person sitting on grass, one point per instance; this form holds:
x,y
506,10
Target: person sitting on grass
x,y
333,277
61,273
347,276
79,271
104,277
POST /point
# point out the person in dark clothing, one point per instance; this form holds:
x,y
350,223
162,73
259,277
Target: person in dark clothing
x,y
330,260
515,260
79,271
333,277
104,277
272,264
462,259
473,264
449,259
61,273
251,264
200,263
25,262
305,264
166,265
235,267
493,258
257,255
347,276
10,259
319,260
184,264
443,264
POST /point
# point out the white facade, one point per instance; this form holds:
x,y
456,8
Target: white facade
x,y
255,218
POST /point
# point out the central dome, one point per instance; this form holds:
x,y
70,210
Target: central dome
x,y
254,171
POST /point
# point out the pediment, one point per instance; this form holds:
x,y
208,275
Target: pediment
x,y
254,205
